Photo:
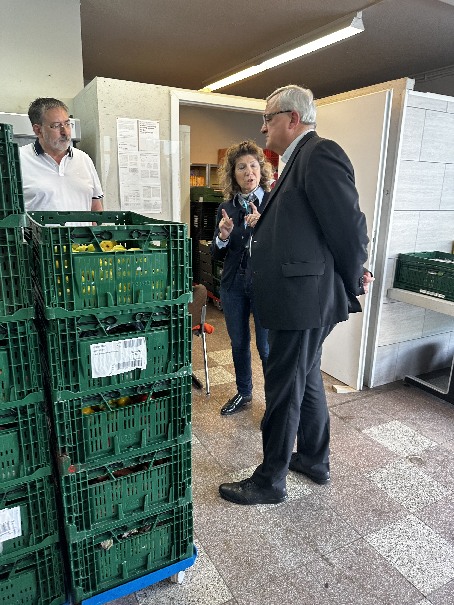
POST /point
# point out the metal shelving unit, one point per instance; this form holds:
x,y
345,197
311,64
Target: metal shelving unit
x,y
204,175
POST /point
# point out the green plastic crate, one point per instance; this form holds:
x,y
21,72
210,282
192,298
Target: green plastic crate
x,y
34,579
124,491
38,515
20,371
430,273
158,271
16,299
96,428
24,443
6,133
167,334
11,194
207,193
114,557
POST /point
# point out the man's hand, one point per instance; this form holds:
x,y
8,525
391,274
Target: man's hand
x,y
367,279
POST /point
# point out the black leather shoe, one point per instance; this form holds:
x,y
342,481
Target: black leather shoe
x,y
295,465
248,492
235,404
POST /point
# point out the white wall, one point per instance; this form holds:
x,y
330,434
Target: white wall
x,y
412,340
41,52
98,106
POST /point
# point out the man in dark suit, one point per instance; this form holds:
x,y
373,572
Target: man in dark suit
x,y
308,251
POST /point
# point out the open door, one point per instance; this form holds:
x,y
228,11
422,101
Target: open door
x,y
361,126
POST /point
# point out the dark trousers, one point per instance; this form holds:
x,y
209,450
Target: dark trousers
x,y
238,304
295,406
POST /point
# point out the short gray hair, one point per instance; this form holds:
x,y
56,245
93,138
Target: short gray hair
x,y
298,99
39,106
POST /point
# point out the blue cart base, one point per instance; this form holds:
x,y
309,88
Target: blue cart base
x,y
143,582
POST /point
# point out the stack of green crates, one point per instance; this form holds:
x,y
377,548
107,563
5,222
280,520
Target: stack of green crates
x,y
113,291
31,570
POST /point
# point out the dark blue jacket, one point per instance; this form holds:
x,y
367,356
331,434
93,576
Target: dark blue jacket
x,y
232,254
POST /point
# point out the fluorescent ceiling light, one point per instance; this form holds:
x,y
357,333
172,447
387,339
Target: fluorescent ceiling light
x,y
331,34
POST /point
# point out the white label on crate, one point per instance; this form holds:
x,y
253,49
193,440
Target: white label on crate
x,y
10,523
110,358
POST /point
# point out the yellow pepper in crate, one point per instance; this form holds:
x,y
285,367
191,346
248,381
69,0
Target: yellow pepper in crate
x,y
107,245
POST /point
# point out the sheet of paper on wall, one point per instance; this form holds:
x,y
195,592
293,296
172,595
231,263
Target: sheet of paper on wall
x,y
139,164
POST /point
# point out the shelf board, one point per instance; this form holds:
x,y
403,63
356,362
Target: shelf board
x,y
439,305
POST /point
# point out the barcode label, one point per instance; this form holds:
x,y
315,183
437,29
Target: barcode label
x,y
111,358
10,523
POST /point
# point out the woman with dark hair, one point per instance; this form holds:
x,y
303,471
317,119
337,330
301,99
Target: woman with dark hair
x,y
245,177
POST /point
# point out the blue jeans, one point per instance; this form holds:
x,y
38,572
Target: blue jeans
x,y
238,303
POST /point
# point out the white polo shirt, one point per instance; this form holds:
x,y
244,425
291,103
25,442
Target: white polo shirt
x,y
68,186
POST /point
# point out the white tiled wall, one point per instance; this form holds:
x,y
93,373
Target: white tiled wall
x,y
412,340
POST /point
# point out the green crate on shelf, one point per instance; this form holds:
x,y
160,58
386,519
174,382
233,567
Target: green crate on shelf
x,y
129,551
159,339
20,371
123,422
33,579
16,297
77,273
124,491
207,193
24,443
11,195
6,133
38,516
430,273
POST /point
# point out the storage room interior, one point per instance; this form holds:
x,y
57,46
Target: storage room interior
x,y
382,531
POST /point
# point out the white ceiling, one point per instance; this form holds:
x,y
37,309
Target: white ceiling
x,y
183,43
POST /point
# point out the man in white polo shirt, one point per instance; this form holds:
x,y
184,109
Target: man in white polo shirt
x,y
56,175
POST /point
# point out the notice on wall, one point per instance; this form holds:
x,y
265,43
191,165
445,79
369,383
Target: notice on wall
x,y
139,165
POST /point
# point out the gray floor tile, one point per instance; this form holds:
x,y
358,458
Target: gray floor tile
x,y
443,596
234,441
419,553
355,448
316,526
399,438
217,375
202,585
360,502
359,574
361,413
438,463
427,414
129,600
440,517
222,357
408,485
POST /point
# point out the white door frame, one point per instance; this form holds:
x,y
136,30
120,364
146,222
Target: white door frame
x,y
207,99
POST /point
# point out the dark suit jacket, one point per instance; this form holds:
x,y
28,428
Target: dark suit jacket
x,y
239,237
309,246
